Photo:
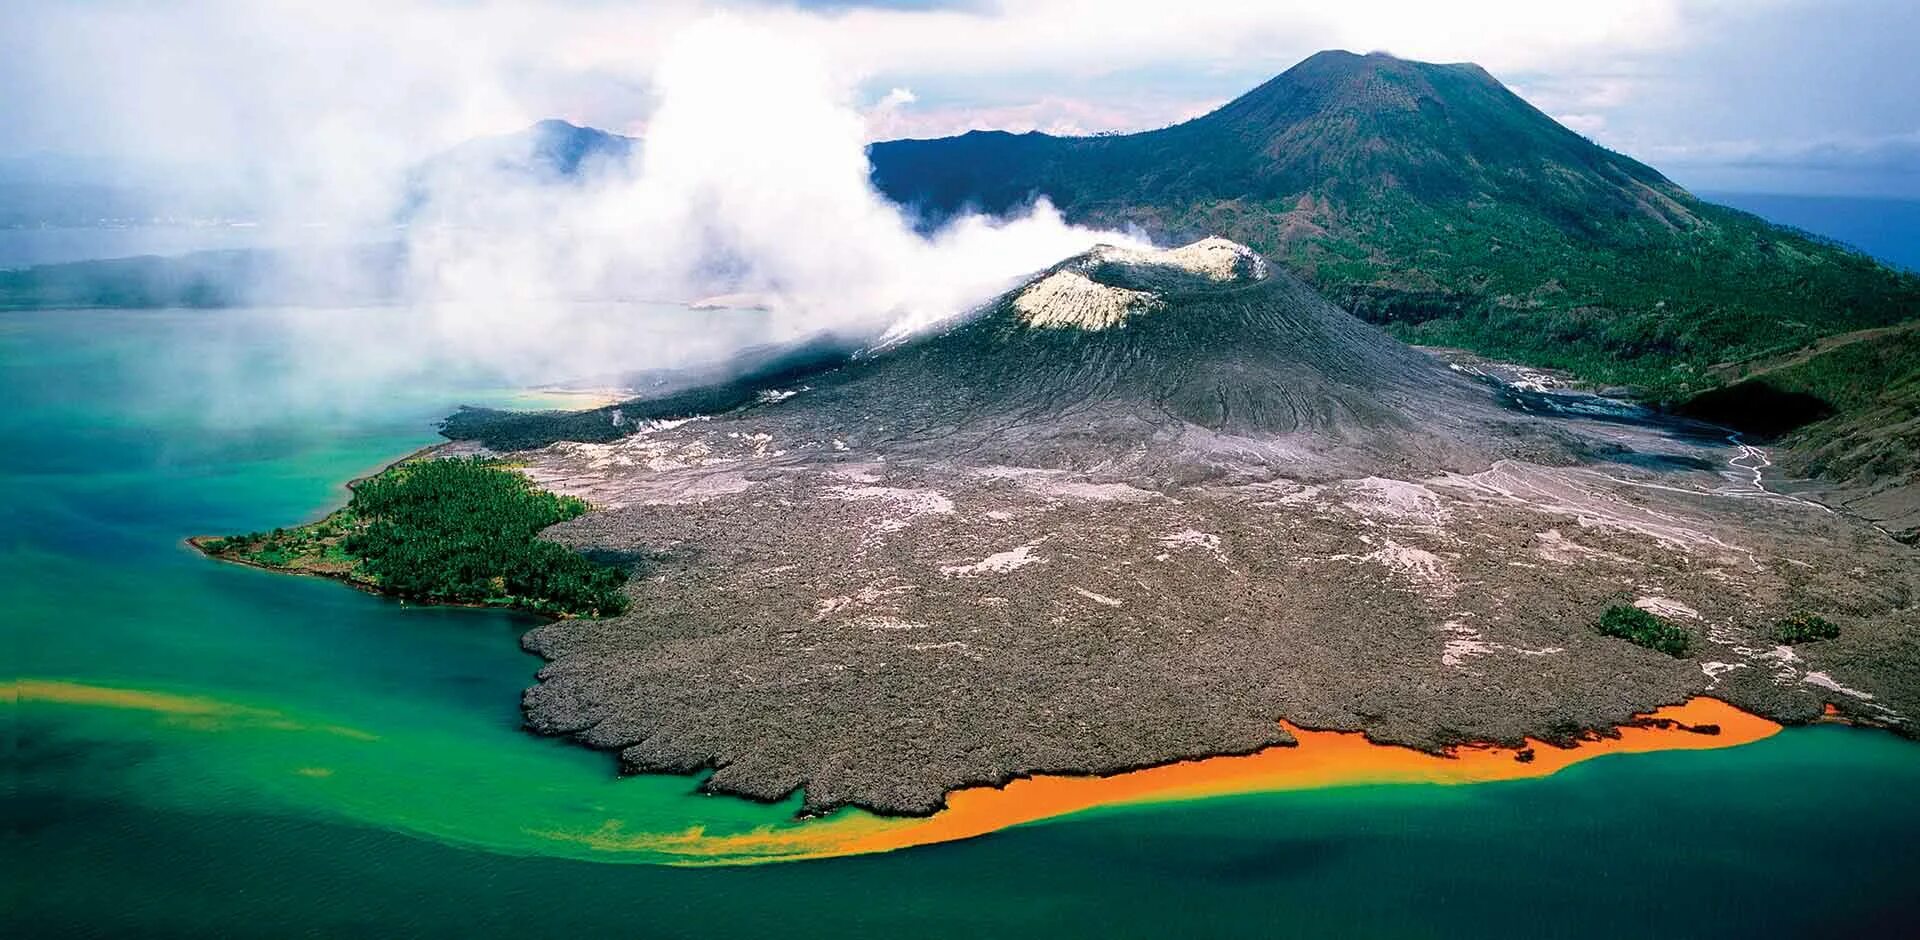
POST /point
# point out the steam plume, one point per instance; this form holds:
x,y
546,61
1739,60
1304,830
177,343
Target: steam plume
x,y
752,182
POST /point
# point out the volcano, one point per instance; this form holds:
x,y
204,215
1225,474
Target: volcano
x,y
1142,508
1201,362
1430,199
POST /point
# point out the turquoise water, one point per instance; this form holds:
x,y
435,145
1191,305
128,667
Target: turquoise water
x,y
302,758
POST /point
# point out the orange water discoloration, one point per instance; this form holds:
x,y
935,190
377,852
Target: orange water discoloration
x,y
1321,759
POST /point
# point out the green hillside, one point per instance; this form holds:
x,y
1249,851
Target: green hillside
x,y
1431,199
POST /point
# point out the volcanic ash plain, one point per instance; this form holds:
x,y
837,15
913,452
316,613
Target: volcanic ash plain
x,y
1147,505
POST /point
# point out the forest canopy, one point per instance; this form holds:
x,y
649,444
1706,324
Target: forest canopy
x,y
457,531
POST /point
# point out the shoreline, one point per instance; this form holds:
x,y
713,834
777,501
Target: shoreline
x,y
1015,793
1314,761
1319,760
204,544
196,542
983,805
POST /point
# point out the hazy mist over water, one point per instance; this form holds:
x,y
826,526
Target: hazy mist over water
x,y
751,190
26,247
343,356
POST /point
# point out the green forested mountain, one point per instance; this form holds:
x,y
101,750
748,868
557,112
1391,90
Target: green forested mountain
x,y
1434,200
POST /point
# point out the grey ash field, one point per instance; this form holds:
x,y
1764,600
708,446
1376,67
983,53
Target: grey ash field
x,y
1139,510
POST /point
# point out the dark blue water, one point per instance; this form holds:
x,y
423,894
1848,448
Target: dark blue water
x,y
1887,229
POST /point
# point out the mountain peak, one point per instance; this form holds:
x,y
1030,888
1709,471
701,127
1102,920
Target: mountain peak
x,y
556,126
1337,83
1340,126
548,151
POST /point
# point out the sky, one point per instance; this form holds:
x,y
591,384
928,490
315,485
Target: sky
x,y
1802,96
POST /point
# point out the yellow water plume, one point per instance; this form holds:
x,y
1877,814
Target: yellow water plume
x,y
207,714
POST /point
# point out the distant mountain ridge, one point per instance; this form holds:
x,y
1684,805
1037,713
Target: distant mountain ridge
x,y
549,151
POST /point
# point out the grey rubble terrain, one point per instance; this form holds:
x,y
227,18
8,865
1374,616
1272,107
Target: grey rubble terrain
x,y
1146,506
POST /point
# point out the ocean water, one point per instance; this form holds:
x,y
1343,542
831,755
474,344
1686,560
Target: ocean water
x,y
1887,229
201,749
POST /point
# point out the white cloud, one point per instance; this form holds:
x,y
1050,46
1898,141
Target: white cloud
x,y
897,97
752,182
1884,152
1587,124
1049,114
754,177
260,89
211,76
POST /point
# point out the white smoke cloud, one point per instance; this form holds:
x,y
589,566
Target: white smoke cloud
x,y
752,183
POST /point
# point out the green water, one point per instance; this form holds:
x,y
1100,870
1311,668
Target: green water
x,y
357,765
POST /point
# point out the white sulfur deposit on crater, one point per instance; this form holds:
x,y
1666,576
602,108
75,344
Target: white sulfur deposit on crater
x,y
1216,259
1071,299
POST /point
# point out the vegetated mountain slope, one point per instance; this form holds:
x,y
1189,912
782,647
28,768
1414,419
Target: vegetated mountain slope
x,y
1849,407
1432,200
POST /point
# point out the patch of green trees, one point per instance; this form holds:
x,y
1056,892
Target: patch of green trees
x,y
1802,627
1640,628
455,531
466,531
